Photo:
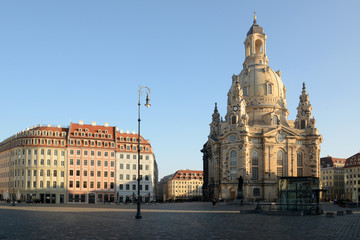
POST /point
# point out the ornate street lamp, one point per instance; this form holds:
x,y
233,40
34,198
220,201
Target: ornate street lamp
x,y
147,104
13,203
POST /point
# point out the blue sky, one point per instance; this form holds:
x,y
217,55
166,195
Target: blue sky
x,y
65,61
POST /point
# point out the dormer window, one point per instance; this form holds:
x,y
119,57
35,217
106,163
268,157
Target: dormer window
x,y
83,134
96,135
80,129
103,135
106,131
89,134
75,134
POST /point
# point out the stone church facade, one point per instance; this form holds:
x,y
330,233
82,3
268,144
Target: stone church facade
x,y
255,140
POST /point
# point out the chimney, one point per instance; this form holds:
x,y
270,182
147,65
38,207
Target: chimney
x,y
106,124
93,123
81,122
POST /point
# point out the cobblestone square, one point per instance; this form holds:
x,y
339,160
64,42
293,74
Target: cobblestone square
x,y
168,221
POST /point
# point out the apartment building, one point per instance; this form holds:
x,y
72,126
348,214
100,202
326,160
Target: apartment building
x,y
127,168
33,165
82,163
352,178
332,178
91,163
185,184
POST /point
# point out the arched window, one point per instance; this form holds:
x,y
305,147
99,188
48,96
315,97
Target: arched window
x,y
255,158
233,173
248,50
233,157
280,162
258,46
275,120
233,120
280,157
269,89
302,126
245,92
256,192
299,159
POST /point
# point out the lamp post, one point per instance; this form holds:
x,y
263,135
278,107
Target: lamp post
x,y
13,203
147,104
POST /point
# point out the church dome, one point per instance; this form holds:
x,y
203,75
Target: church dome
x,y
262,86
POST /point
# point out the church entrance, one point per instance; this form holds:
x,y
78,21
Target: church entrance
x,y
232,194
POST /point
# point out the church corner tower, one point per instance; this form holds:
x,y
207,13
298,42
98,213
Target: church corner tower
x,y
256,144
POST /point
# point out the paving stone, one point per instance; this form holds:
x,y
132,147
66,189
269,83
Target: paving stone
x,y
168,221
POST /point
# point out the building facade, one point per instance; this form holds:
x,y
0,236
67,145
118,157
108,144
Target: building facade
x,y
76,164
185,185
255,140
163,188
332,178
127,168
91,163
352,178
33,165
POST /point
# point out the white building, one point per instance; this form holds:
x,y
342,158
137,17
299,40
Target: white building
x,y
127,169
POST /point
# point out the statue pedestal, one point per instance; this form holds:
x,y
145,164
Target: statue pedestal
x,y
239,197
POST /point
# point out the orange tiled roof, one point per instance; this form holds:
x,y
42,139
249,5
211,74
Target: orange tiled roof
x,y
325,161
353,161
188,175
